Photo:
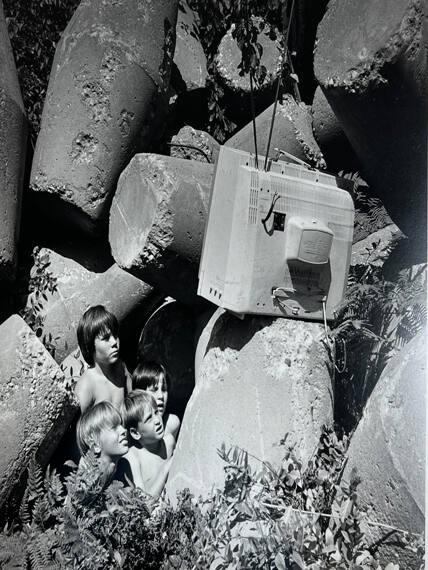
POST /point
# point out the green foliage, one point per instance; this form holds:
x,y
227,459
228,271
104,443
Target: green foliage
x,y
35,27
282,518
40,283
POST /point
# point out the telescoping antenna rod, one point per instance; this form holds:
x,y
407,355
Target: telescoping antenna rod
x,y
278,86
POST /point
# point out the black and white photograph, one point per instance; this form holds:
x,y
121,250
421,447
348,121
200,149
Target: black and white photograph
x,y
213,284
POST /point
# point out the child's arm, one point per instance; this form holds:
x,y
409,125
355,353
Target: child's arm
x,y
83,392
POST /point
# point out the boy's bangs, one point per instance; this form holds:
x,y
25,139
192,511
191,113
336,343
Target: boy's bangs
x,y
111,421
106,325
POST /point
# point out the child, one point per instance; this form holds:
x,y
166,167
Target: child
x,y
107,378
151,449
100,433
152,377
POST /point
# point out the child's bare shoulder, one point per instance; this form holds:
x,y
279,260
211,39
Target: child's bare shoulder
x,y
172,425
84,389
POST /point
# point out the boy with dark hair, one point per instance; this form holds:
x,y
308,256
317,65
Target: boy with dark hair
x,y
107,378
151,377
151,448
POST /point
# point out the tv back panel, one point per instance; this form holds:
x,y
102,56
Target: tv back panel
x,y
277,242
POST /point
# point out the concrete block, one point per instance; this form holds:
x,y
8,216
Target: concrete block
x,y
189,56
78,288
157,222
388,449
35,406
292,132
258,379
106,100
371,62
13,144
190,137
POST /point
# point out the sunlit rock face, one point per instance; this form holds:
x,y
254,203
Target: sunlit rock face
x,y
106,99
256,381
371,63
35,406
388,449
13,144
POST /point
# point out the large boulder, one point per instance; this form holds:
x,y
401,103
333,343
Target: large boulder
x,y
157,222
189,57
106,99
330,136
388,449
237,87
194,145
35,405
257,380
168,338
292,132
13,144
76,288
371,63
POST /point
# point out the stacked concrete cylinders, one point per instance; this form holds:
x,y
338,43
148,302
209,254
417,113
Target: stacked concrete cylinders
x,y
371,62
105,99
13,143
157,221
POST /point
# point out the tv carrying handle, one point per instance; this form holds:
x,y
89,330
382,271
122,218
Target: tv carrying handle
x,y
288,155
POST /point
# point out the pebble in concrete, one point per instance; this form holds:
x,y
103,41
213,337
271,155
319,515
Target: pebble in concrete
x,y
35,406
78,288
157,222
389,445
13,144
371,62
292,132
257,379
106,99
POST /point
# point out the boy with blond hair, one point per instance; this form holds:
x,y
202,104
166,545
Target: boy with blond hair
x,y
150,447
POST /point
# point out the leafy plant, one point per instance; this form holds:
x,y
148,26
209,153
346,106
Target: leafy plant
x,y
40,283
375,320
282,518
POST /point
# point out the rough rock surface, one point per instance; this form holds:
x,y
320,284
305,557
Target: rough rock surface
x,y
237,96
35,407
189,56
292,132
78,288
105,100
13,144
371,62
259,379
376,248
330,136
157,221
168,338
389,445
190,137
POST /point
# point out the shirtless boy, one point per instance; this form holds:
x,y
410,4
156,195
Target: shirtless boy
x,y
151,377
150,447
107,378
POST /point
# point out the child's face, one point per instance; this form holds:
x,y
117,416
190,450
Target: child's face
x,y
150,427
106,348
113,441
160,394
